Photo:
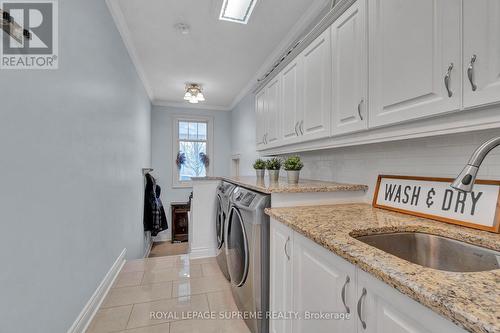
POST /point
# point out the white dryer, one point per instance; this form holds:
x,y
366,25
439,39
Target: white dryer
x,y
224,192
247,252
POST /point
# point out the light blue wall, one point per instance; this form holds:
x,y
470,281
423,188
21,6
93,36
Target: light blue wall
x,y
161,127
72,145
243,124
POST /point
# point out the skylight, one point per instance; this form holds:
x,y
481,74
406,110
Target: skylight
x,y
237,11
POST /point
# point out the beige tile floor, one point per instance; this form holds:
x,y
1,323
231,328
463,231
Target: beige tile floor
x,y
167,248
174,287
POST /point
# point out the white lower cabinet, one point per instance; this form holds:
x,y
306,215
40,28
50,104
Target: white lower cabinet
x,y
281,276
383,309
322,285
310,280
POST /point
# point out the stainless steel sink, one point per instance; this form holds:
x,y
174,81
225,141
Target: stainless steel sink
x,y
435,251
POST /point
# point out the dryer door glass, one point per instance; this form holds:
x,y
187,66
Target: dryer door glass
x,y
219,223
237,248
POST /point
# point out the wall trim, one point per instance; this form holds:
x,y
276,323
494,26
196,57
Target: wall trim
x,y
186,105
296,31
454,122
323,24
202,252
148,249
89,310
121,25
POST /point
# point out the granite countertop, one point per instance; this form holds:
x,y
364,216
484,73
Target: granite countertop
x,y
471,300
304,185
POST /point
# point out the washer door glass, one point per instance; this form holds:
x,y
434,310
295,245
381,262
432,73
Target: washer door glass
x,y
219,223
237,248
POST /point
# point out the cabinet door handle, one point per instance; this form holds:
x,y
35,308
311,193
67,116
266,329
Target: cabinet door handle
x,y
447,80
359,109
301,127
286,248
347,280
470,72
296,131
360,316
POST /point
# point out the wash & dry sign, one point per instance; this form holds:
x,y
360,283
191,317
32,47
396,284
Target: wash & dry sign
x,y
434,198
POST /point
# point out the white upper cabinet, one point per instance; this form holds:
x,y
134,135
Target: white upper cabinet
x,y
383,64
267,111
260,118
291,101
481,52
273,107
316,104
414,63
350,70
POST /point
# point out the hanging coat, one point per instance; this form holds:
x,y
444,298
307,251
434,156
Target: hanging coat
x,y
155,219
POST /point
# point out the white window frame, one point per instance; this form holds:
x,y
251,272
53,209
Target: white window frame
x,y
176,183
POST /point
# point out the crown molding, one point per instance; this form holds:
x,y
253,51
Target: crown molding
x,y
121,25
324,23
297,30
186,105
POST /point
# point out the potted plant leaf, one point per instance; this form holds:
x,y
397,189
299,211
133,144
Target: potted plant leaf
x,y
260,168
293,165
273,166
180,160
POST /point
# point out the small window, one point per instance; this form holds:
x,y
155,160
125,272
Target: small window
x,y
192,148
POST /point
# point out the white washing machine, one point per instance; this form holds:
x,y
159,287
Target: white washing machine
x,y
224,192
247,252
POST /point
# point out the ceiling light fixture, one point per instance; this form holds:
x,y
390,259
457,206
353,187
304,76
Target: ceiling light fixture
x,y
238,11
193,93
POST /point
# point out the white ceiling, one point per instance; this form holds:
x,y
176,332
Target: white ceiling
x,y
225,57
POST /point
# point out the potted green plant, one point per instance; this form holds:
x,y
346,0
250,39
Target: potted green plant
x,y
273,167
293,165
260,167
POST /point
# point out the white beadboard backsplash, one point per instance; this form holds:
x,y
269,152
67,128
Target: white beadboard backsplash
x,y
439,156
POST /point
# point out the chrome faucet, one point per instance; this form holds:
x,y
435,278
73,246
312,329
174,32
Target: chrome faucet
x,y
465,180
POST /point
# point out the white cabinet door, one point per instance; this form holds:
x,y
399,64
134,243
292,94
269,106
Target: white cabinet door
x,y
383,309
291,97
260,118
482,41
280,276
350,70
273,102
316,62
412,44
319,277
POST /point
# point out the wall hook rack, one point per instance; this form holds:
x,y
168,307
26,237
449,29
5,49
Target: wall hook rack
x,y
147,170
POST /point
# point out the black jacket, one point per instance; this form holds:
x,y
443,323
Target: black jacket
x,y
155,219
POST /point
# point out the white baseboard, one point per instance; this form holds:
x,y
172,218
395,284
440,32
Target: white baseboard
x,y
85,317
148,249
163,236
202,252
